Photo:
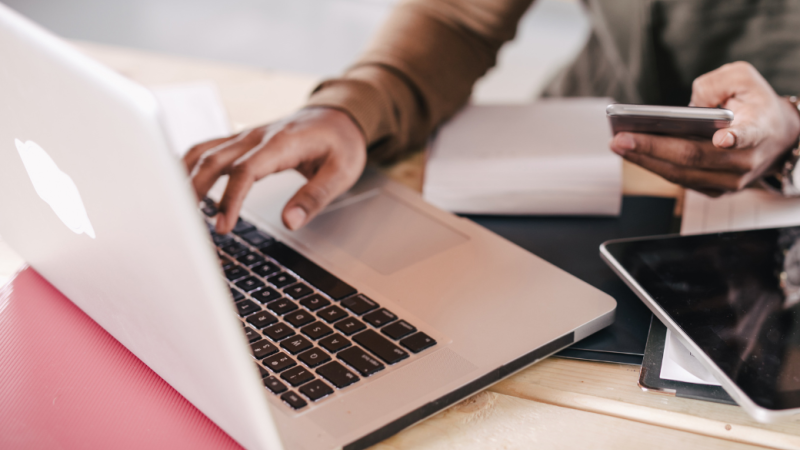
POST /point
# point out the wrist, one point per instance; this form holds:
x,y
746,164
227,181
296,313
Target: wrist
x,y
786,179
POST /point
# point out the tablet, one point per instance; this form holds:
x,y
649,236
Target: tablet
x,y
734,300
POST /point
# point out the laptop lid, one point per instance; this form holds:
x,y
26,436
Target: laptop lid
x,y
95,201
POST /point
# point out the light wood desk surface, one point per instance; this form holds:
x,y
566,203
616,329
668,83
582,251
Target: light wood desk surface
x,y
557,403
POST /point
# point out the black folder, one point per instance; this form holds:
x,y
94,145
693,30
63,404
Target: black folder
x,y
650,375
573,243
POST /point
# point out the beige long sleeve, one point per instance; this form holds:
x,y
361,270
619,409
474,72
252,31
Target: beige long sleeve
x,y
420,69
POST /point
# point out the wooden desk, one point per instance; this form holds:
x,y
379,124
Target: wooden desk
x,y
557,403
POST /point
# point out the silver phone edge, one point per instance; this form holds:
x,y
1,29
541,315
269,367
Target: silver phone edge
x,y
668,112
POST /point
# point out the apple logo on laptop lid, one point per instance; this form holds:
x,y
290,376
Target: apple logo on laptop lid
x,y
55,187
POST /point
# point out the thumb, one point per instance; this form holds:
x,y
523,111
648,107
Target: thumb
x,y
327,184
738,136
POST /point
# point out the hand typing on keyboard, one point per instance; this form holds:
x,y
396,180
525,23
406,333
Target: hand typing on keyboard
x,y
323,144
309,331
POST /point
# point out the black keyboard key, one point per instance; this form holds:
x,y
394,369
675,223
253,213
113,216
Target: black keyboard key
x,y
263,348
379,345
314,357
281,280
249,284
316,390
349,326
297,376
282,306
294,400
257,238
278,331
398,329
332,314
279,362
296,344
262,371
236,294
299,318
265,295
418,342
247,307
359,304
236,272
380,317
221,240
243,227
309,271
360,360
250,259
337,374
266,269
234,249
316,330
261,319
226,262
208,207
275,385
298,290
315,302
251,334
334,343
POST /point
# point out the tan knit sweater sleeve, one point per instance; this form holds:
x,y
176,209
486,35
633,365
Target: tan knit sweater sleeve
x,y
420,69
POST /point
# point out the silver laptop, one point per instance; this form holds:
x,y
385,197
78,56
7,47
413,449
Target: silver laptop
x,y
381,312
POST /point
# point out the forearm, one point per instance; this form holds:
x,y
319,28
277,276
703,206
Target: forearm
x,y
420,69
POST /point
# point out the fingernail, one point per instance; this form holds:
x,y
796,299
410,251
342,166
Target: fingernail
x,y
295,217
728,141
622,143
218,221
625,141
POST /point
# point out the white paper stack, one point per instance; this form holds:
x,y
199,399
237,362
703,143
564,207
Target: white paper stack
x,y
546,158
192,113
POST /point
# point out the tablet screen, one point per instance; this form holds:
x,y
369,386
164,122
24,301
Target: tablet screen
x,y
737,296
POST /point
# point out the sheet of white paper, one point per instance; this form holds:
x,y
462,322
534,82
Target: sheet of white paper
x,y
747,209
193,113
547,157
680,365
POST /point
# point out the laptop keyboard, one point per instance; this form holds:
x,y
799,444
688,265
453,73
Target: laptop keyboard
x,y
310,333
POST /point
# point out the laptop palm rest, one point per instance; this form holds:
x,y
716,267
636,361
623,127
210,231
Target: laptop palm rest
x,y
382,231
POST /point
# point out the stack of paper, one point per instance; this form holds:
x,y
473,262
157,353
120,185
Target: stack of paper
x,y
192,113
550,157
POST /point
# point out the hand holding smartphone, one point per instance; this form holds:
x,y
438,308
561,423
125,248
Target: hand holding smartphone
x,y
677,121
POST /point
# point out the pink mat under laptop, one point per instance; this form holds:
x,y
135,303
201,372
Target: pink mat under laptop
x,y
65,383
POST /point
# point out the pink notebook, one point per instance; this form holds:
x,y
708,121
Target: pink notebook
x,y
65,383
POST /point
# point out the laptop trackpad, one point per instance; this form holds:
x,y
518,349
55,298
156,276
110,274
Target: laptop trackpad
x,y
382,231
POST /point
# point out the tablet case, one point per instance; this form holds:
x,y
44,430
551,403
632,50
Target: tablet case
x,y
65,383
650,376
573,244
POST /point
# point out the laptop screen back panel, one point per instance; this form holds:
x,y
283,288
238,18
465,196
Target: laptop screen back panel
x,y
94,200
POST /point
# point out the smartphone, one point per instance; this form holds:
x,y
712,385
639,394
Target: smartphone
x,y
680,121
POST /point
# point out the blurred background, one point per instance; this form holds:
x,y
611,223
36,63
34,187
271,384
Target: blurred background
x,y
319,38
314,37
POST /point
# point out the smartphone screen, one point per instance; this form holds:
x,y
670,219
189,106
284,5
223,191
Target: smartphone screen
x,y
688,122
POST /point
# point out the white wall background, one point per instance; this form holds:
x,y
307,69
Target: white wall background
x,y
319,37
